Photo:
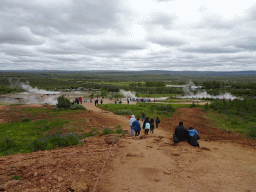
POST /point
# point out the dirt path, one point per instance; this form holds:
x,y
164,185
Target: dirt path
x,y
155,164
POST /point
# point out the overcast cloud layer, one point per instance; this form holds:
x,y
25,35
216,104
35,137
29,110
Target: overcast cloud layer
x,y
173,35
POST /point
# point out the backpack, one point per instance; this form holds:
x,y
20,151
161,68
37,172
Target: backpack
x,y
147,126
158,121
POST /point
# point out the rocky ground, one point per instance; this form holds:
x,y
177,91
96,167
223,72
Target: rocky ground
x,y
224,161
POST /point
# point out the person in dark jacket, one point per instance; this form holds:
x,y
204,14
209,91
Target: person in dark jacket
x,y
136,127
152,126
157,122
193,136
146,125
180,134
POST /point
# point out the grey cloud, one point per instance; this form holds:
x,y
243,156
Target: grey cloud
x,y
21,35
167,41
162,19
211,49
247,43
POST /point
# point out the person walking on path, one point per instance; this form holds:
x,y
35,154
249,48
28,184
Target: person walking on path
x,y
130,122
180,134
193,136
146,125
152,126
136,127
157,122
143,116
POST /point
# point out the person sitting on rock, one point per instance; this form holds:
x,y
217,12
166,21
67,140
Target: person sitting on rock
x,y
136,127
193,136
180,134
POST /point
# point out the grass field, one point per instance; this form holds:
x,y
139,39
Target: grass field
x,y
24,135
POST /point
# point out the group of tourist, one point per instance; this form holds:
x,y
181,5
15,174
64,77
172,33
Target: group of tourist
x,y
148,124
181,133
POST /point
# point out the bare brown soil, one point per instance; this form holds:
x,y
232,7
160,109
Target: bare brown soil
x,y
224,162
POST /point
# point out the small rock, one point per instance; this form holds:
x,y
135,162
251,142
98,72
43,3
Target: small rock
x,y
167,172
143,137
157,140
33,190
10,184
81,170
125,188
157,179
175,154
60,179
79,186
150,146
129,155
41,180
35,174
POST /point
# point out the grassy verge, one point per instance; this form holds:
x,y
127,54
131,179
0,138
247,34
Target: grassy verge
x,y
151,109
232,123
25,136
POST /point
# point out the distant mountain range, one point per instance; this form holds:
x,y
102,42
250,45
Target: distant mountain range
x,y
155,72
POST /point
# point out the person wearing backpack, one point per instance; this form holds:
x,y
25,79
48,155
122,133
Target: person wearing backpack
x,y
157,122
146,125
136,127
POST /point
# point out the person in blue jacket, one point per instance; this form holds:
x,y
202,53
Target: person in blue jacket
x,y
136,127
193,136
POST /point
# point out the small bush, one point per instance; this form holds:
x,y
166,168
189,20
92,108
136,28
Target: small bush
x,y
123,112
7,144
77,107
25,119
119,130
16,177
252,133
107,131
193,105
63,102
206,107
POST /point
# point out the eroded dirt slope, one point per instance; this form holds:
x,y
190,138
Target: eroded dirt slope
x,y
134,164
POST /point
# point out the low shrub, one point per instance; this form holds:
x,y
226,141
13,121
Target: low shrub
x,y
119,130
123,112
252,133
77,107
63,102
107,131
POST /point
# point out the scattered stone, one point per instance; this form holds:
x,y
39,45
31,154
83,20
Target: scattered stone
x,y
120,145
10,184
143,137
60,179
157,139
81,170
130,155
125,188
167,172
41,180
157,179
150,146
35,174
111,140
175,154
33,190
79,187
205,148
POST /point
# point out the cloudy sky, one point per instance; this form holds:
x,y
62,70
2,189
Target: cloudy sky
x,y
173,35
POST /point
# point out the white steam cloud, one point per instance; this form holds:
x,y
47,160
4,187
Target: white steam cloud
x,y
31,96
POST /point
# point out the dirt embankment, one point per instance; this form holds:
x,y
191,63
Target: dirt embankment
x,y
149,164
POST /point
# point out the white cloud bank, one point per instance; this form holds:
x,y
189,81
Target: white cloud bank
x,y
128,35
